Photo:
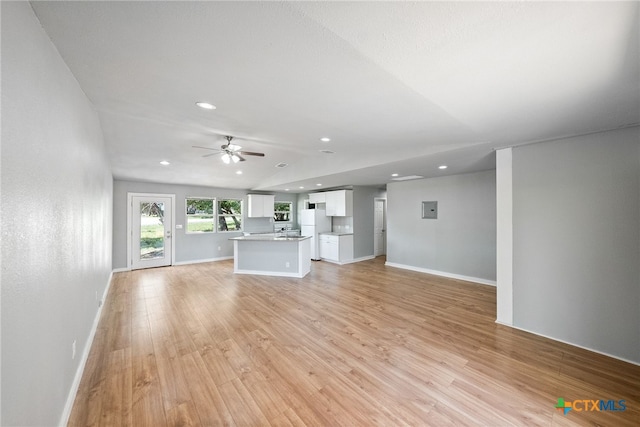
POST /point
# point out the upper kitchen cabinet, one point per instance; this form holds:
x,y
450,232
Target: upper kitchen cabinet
x,y
339,203
317,198
260,205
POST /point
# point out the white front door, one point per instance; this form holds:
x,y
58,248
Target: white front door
x,y
379,228
151,219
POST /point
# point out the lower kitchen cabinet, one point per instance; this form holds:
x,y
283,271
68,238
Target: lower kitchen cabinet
x,y
336,248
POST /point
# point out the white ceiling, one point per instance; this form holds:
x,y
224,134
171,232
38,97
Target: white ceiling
x,y
399,87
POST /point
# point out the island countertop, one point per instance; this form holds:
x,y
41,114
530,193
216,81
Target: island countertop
x,y
337,233
271,238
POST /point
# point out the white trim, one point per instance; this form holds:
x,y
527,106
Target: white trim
x,y
130,197
331,261
271,273
349,261
504,235
443,274
120,270
569,343
198,261
364,258
75,385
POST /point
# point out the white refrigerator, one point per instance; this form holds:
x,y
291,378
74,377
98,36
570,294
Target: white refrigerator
x,y
313,222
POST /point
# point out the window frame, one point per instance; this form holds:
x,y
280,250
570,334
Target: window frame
x,y
219,215
290,211
214,218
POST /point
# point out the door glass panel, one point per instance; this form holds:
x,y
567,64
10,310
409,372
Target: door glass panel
x,y
151,230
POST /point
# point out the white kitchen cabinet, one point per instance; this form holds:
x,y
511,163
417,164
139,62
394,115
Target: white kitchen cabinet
x,y
339,203
328,247
260,205
336,248
317,198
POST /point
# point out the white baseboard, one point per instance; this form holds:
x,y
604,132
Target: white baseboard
x,y
195,261
199,261
570,343
270,273
443,274
71,397
364,258
350,261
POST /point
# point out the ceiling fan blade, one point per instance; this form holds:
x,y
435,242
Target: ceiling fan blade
x,y
242,159
251,153
206,148
210,154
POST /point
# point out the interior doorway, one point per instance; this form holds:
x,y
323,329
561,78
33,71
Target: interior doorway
x,y
380,227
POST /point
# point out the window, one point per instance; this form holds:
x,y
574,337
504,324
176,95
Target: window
x,y
200,215
230,215
282,211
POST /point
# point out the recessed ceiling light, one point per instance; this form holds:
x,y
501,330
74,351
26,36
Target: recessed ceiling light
x,y
327,152
442,167
282,165
301,187
394,174
238,172
319,185
286,189
325,139
164,163
206,105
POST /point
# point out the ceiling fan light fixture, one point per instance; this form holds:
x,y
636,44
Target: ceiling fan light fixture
x,y
235,158
226,158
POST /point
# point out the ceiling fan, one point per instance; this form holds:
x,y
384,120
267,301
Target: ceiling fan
x,y
230,152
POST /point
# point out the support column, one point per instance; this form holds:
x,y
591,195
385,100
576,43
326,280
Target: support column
x,y
504,217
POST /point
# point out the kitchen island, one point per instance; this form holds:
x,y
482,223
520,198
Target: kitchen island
x,y
272,255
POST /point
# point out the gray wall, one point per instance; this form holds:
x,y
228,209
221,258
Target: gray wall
x,y
576,241
56,222
462,241
189,247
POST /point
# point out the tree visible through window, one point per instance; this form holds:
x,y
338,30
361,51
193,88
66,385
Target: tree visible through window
x,y
230,215
151,230
200,215
282,211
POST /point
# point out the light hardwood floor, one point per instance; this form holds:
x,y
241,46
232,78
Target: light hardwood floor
x,y
354,345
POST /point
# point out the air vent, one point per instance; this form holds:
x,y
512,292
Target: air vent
x,y
327,152
406,178
282,165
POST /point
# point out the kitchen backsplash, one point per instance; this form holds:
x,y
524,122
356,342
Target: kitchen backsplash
x,y
342,224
